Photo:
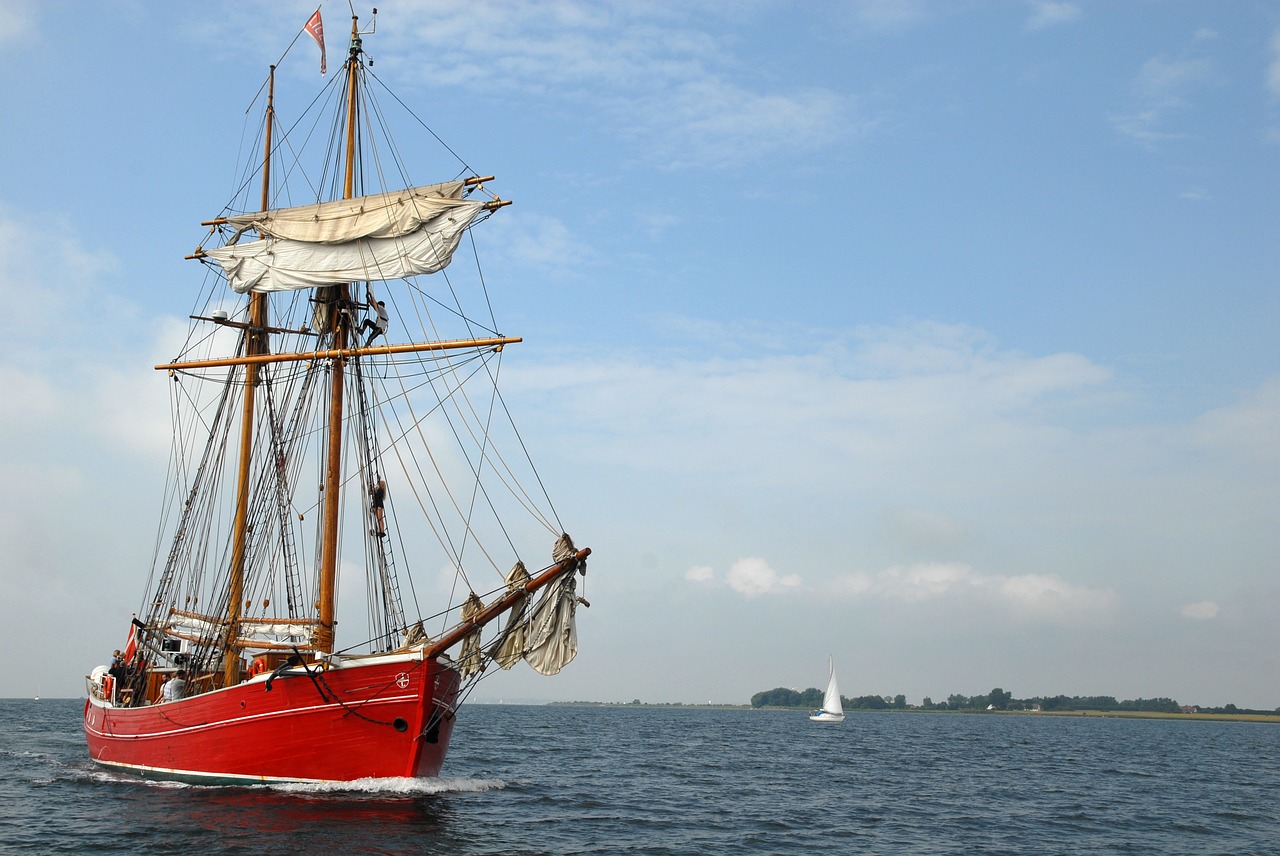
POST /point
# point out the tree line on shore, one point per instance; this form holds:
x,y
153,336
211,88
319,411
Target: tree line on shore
x,y
997,699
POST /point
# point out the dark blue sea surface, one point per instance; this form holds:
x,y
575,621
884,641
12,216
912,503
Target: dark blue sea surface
x,y
569,780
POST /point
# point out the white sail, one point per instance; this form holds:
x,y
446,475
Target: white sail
x,y
383,215
284,264
832,709
511,651
208,628
553,629
831,699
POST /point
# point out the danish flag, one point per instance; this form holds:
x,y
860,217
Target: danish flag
x,y
131,647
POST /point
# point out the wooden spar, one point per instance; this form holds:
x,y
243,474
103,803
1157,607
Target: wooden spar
x,y
243,325
255,344
328,588
502,604
473,181
210,619
344,353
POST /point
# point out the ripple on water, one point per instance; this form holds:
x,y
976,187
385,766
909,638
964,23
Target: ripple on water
x,y
555,780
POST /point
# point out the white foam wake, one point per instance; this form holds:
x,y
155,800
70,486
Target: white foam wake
x,y
393,786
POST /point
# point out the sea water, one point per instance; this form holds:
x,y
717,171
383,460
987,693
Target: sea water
x,y
638,780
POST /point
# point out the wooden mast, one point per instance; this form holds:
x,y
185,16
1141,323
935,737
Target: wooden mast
x,y
254,345
341,329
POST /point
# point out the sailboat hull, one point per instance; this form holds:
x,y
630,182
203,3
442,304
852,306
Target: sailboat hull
x,y
824,716
389,717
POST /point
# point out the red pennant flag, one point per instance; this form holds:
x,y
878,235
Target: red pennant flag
x,y
315,27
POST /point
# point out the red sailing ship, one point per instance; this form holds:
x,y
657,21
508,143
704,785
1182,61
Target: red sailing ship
x,y
304,406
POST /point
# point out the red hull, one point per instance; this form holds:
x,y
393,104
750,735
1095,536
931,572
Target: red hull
x,y
385,718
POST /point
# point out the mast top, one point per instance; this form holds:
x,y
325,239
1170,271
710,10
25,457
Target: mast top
x,y
357,44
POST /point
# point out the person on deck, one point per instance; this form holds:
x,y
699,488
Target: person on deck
x,y
117,669
173,688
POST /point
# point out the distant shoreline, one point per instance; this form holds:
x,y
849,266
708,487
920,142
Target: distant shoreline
x,y
1107,714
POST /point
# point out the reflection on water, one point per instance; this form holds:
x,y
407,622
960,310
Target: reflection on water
x,y
267,810
372,815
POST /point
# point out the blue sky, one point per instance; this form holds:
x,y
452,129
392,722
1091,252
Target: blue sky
x,y
937,336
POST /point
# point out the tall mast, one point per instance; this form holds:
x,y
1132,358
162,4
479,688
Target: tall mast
x,y
255,336
333,468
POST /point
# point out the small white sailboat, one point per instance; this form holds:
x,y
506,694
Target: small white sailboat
x,y
832,710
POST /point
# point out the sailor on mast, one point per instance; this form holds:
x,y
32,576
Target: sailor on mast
x,y
376,327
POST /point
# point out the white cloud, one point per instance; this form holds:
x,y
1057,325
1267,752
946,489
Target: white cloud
x,y
658,78
65,374
538,241
1049,595
877,401
890,15
751,577
1161,89
1044,596
1167,81
1039,595
711,122
700,574
35,257
1201,611
17,21
1141,126
84,443
1248,428
1047,13
922,466
923,581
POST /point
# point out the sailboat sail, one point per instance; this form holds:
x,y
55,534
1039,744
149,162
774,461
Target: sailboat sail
x,y
832,708
831,698
304,454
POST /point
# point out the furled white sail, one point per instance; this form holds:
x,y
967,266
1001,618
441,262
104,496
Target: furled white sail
x,y
286,264
470,660
511,649
383,215
196,626
553,627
